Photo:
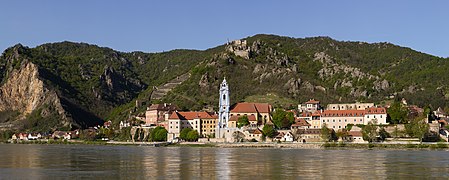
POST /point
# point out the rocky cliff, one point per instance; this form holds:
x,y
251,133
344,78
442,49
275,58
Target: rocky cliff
x,y
24,92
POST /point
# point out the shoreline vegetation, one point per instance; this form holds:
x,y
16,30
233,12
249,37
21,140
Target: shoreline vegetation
x,y
319,145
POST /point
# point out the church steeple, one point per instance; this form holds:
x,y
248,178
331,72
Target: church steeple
x,y
224,103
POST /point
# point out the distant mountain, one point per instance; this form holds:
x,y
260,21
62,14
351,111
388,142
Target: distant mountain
x,y
69,85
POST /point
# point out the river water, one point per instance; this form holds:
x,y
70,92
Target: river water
x,y
19,161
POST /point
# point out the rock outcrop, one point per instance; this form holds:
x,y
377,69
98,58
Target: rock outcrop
x,y
24,92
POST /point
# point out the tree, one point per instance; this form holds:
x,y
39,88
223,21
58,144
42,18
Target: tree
x,y
326,134
369,131
192,135
383,134
242,121
283,119
183,134
269,131
397,113
396,131
419,128
158,134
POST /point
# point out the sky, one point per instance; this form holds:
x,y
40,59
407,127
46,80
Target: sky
x,y
156,26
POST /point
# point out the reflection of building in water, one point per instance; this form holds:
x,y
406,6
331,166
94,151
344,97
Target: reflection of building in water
x,y
27,158
222,157
156,165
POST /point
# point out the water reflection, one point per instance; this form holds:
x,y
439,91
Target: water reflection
x,y
78,161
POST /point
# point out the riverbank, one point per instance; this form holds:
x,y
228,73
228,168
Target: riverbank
x,y
276,145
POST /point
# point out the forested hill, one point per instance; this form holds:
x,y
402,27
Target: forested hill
x,y
84,84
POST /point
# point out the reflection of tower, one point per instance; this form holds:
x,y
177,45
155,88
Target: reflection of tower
x,y
223,112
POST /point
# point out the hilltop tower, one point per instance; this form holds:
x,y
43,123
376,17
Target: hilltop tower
x,y
224,103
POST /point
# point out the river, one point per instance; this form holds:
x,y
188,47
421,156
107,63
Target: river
x,y
28,161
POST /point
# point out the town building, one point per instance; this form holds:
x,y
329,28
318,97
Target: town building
x,y
308,135
439,113
258,111
349,106
355,136
313,118
208,126
251,134
233,120
339,119
180,120
310,106
300,123
157,114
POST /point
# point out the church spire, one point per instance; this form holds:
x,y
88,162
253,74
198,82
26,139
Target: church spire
x,y
224,103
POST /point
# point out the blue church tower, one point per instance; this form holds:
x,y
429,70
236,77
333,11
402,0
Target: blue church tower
x,y
224,103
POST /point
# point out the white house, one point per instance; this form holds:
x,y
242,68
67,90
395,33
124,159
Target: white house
x,y
288,137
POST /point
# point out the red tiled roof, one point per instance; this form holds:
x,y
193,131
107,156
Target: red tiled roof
x,y
236,118
306,114
280,135
190,115
251,108
312,101
301,122
263,107
257,131
336,113
316,113
375,110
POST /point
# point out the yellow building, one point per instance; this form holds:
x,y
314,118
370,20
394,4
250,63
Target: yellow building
x,y
208,126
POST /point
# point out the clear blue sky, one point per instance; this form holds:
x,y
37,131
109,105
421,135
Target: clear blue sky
x,y
153,26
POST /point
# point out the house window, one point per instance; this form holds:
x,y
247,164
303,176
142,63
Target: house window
x,y
333,120
367,116
323,120
374,116
339,120
346,120
380,116
339,127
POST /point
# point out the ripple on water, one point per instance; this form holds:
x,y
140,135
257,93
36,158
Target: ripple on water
x,y
88,161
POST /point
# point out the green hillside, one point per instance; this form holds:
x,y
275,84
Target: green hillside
x,y
98,83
